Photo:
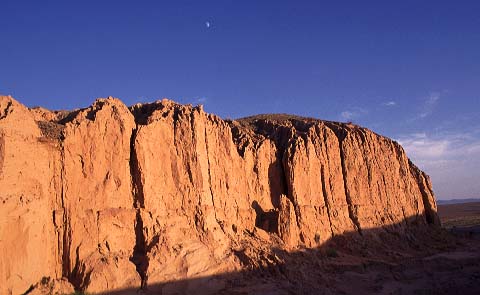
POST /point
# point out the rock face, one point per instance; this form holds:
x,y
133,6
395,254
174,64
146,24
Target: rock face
x,y
111,197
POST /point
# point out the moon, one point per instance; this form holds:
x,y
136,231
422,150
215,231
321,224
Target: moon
x,y
207,24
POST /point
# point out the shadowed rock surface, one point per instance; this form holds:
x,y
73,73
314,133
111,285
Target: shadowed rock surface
x,y
110,197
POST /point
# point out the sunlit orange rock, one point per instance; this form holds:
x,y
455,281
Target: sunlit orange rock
x,y
110,197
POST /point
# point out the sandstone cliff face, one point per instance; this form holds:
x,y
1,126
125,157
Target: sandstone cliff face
x,y
29,192
110,197
98,214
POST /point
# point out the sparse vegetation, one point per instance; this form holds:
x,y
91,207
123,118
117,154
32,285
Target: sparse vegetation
x,y
280,118
51,130
461,222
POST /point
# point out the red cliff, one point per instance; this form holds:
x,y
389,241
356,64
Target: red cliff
x,y
111,197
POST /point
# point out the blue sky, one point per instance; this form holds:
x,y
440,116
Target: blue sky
x,y
409,70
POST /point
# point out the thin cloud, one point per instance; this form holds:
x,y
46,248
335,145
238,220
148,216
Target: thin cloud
x,y
196,100
200,100
451,159
423,147
347,115
429,105
389,103
353,113
420,146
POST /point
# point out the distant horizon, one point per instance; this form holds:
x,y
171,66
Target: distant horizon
x,y
457,201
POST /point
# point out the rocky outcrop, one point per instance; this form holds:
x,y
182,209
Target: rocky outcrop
x,y
110,197
30,192
98,213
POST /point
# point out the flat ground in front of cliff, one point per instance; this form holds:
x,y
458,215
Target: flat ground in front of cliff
x,y
455,270
461,215
450,266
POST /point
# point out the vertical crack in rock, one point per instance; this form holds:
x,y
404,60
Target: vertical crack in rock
x,y
341,135
281,190
139,256
283,178
284,139
325,198
198,217
323,179
67,233
194,144
80,277
210,182
288,188
2,151
423,185
137,184
351,210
